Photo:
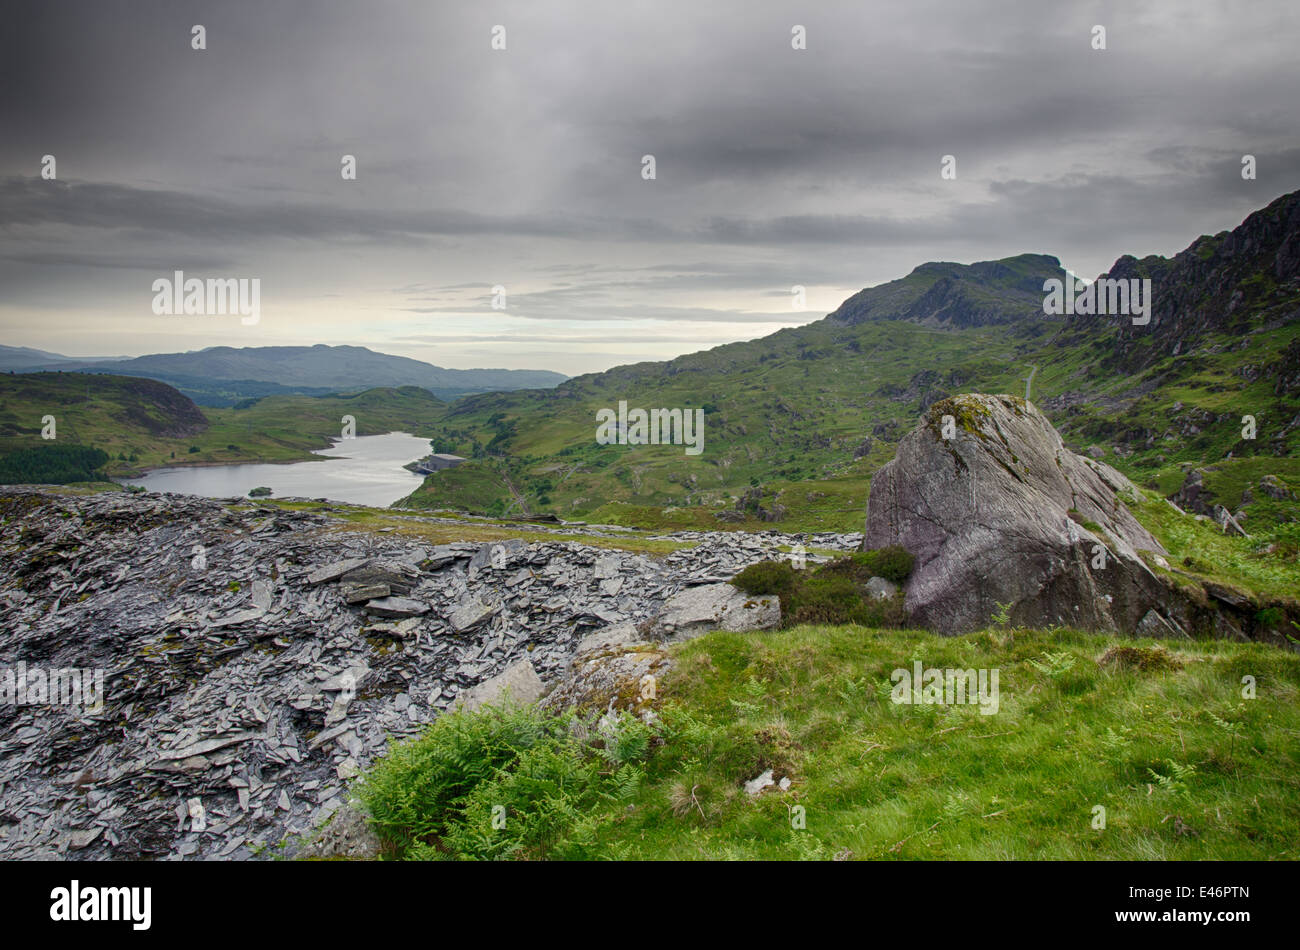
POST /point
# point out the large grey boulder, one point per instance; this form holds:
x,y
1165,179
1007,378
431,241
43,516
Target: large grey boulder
x,y
996,514
697,610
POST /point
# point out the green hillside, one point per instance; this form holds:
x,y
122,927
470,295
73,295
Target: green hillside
x,y
941,293
796,422
788,414
783,413
142,423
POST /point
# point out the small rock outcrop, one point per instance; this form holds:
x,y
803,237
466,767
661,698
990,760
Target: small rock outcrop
x,y
1272,486
1191,496
612,671
518,684
348,835
697,610
1000,512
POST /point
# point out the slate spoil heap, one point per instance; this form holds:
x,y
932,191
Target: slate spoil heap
x,y
256,659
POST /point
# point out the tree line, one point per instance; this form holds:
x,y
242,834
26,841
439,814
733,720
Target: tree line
x,y
53,465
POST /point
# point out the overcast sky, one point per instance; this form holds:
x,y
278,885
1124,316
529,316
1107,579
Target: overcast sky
x,y
523,167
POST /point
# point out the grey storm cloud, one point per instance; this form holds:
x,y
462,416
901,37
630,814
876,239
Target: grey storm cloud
x,y
98,205
522,166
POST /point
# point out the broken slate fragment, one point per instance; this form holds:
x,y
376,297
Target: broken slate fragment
x,y
397,607
469,614
207,745
402,629
619,636
83,838
346,682
608,566
339,709
360,593
243,616
398,577
261,594
332,572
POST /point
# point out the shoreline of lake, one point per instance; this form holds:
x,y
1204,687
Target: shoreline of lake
x,y
367,470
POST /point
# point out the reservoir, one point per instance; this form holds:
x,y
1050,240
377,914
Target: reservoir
x,y
366,470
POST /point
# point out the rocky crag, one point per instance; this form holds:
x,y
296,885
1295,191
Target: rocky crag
x,y
1231,282
256,658
998,513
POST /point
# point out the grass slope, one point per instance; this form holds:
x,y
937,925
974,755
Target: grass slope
x,y
1185,766
808,414
789,409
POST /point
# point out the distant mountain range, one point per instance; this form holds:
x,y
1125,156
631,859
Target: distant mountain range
x,y
23,359
225,375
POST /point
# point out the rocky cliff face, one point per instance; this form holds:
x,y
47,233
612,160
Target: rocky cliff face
x,y
997,511
1230,282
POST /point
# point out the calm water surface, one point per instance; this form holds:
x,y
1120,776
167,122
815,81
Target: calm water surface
x,y
364,471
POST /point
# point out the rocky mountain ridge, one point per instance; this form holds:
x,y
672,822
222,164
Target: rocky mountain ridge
x,y
1232,283
956,296
220,375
